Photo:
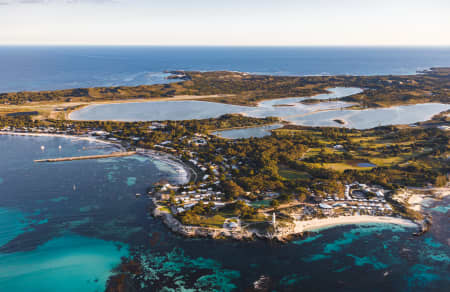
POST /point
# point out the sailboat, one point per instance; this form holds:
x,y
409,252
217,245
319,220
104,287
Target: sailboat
x,y
74,187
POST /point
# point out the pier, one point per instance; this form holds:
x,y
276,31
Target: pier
x,y
114,154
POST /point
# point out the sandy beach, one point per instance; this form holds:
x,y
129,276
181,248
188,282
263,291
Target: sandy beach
x,y
183,171
314,224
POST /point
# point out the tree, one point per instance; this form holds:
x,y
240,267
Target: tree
x,y
232,190
441,181
275,204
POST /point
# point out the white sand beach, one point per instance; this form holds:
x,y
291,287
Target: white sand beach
x,y
314,224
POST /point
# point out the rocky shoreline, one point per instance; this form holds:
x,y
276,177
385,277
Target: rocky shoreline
x,y
283,233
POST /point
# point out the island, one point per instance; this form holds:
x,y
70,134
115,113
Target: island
x,y
239,89
279,186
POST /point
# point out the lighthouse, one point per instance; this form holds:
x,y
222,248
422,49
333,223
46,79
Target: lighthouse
x,y
273,219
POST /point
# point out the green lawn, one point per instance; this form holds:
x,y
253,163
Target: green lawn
x,y
259,204
293,174
164,209
214,221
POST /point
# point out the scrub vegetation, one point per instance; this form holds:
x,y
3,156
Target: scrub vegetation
x,y
247,89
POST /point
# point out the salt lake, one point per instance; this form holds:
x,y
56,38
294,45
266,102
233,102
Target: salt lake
x,y
288,109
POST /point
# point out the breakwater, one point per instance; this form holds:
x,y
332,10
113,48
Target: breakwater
x,y
114,154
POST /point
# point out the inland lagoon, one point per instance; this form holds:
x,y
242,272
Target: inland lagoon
x,y
255,132
65,226
191,109
326,113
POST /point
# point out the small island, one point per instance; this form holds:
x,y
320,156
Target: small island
x,y
340,121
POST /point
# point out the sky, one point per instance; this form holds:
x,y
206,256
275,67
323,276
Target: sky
x,y
226,22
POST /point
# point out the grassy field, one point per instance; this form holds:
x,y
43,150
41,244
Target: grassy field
x,y
293,174
358,147
337,166
213,221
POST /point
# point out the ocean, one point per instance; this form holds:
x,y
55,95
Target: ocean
x,y
48,68
66,226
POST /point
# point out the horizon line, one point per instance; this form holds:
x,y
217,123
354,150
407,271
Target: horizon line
x,y
224,45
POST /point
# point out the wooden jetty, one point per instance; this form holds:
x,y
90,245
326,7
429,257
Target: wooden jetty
x,y
114,154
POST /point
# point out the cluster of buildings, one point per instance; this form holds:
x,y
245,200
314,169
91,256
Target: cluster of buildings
x,y
359,199
185,197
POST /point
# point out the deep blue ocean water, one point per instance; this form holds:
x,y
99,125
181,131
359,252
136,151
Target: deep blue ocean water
x,y
42,68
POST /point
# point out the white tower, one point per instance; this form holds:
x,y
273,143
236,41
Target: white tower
x,y
273,219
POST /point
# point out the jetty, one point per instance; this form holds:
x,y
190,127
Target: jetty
x,y
114,154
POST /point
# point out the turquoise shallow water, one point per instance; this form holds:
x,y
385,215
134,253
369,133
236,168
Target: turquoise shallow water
x,y
441,209
131,181
67,263
12,223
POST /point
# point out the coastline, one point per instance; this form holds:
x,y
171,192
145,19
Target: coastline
x,y
315,224
185,173
90,139
416,198
282,234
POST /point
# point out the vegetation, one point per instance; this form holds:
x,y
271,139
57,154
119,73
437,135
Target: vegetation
x,y
247,89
